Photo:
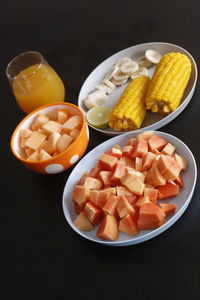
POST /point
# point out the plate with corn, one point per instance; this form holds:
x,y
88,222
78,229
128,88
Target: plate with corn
x,y
143,87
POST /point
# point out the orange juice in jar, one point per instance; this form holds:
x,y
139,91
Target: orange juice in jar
x,y
34,82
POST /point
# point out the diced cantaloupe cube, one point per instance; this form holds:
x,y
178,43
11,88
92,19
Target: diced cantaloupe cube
x,y
110,207
147,160
108,229
138,164
141,147
151,193
105,176
128,225
127,150
94,196
119,172
181,161
156,177
62,116
111,190
165,162
117,152
72,123
82,222
51,127
156,142
93,183
93,213
35,140
80,194
168,190
123,191
144,135
142,200
108,162
136,186
43,155
172,172
33,156
124,207
25,133
129,162
168,208
39,121
51,144
74,133
103,198
63,142
135,173
168,149
94,172
151,216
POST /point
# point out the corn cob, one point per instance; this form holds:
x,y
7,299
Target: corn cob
x,y
168,83
130,110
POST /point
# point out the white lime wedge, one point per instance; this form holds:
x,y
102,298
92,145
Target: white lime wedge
x,y
99,116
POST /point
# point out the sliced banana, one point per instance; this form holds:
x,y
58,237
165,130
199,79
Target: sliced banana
x,y
96,98
112,72
104,88
143,62
109,83
119,82
153,56
129,67
140,72
119,77
122,61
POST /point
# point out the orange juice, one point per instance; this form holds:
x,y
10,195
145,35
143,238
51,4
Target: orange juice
x,y
37,85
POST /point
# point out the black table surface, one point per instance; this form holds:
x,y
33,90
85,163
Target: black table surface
x,y
41,256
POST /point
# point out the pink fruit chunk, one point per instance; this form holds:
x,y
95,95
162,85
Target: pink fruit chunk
x,y
108,162
141,147
108,229
156,142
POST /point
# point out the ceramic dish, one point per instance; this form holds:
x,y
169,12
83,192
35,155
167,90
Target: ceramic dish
x,y
152,121
65,159
182,200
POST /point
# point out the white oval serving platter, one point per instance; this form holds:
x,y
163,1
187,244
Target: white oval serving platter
x,y
152,121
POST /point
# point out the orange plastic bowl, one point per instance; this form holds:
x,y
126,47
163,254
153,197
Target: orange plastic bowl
x,y
63,160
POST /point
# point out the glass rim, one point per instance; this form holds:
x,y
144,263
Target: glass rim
x,y
19,55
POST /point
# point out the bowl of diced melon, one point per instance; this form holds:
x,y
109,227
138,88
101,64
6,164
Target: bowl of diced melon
x,y
51,139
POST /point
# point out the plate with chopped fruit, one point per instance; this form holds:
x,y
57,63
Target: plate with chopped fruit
x,y
143,87
130,188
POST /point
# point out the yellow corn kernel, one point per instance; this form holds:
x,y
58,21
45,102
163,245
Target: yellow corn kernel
x,y
130,109
168,83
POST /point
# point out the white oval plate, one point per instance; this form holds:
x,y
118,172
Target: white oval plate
x,y
151,121
181,200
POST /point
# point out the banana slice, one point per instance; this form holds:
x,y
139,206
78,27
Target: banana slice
x,y
143,62
153,56
129,67
96,98
119,82
109,83
112,72
119,77
122,61
104,88
140,72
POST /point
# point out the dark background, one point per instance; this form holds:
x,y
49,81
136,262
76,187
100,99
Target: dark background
x,y
41,257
